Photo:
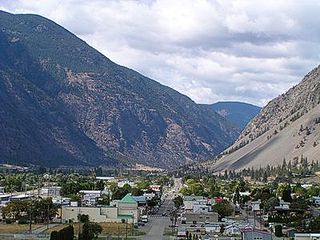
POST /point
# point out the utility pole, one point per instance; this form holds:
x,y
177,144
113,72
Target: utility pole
x,y
126,229
48,209
30,219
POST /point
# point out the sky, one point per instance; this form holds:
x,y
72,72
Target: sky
x,y
211,51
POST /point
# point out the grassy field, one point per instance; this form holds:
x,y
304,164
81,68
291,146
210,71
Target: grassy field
x,y
16,228
107,228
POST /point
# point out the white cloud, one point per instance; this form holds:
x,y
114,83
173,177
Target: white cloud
x,y
209,50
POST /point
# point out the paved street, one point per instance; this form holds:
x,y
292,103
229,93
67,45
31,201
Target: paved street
x,y
158,222
158,225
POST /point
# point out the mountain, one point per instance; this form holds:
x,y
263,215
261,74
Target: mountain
x,y
287,128
64,103
239,113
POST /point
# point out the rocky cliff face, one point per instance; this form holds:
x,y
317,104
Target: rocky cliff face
x,y
287,128
65,103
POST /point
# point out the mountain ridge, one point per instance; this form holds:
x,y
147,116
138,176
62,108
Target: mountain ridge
x,y
286,128
239,113
119,115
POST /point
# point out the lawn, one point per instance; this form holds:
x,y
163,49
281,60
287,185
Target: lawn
x,y
16,228
107,228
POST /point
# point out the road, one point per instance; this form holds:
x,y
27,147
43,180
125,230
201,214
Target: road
x,y
158,222
158,225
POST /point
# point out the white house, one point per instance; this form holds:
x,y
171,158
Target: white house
x,y
149,196
232,230
283,205
255,205
200,207
52,191
212,228
306,236
190,201
62,201
124,182
89,197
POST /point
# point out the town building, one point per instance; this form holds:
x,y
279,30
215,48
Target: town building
x,y
282,205
126,210
52,191
255,234
316,200
306,236
232,230
212,228
190,201
124,182
195,218
89,197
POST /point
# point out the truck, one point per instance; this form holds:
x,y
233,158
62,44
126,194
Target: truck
x,y
144,218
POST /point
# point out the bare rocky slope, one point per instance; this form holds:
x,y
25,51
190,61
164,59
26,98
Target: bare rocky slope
x,y
287,128
64,103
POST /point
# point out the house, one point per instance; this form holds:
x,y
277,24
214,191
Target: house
x,y
52,191
255,234
124,182
212,228
316,200
21,197
232,230
218,200
306,236
282,205
106,178
141,200
4,198
62,201
255,205
155,188
189,201
201,218
89,197
149,196
245,194
200,207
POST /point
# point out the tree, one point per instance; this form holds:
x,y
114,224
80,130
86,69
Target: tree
x,y
54,235
136,191
224,208
314,224
104,199
66,233
90,231
271,203
222,228
178,201
119,193
83,218
100,185
278,231
286,195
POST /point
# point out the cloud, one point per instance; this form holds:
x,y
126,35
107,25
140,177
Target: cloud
x,y
209,50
